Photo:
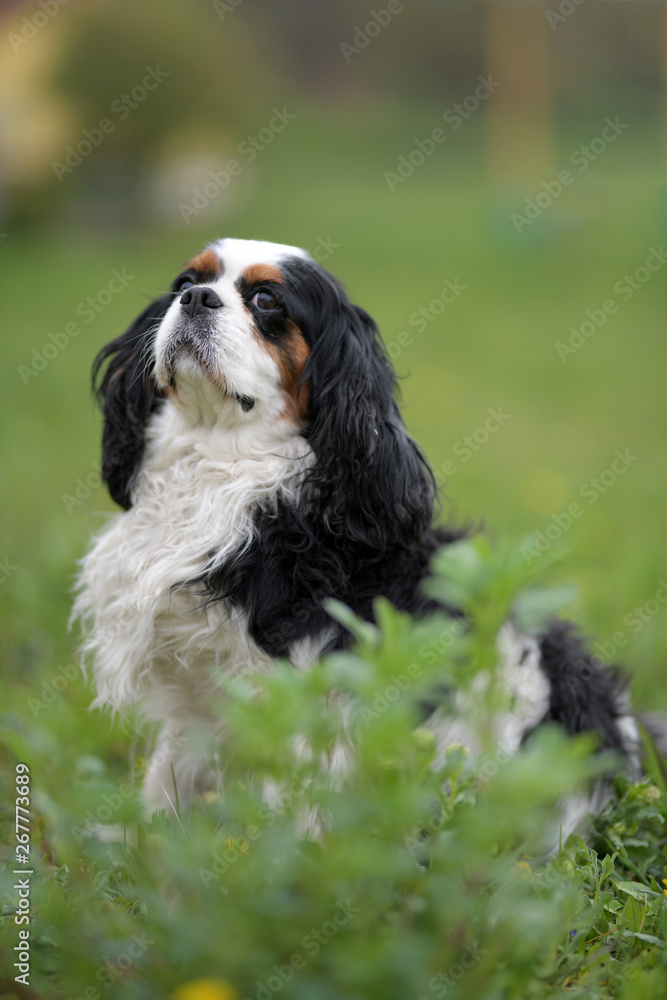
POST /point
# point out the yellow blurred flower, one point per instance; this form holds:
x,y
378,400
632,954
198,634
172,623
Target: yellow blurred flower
x,y
524,868
239,843
206,989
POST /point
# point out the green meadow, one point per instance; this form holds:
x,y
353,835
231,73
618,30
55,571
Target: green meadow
x,y
556,448
489,347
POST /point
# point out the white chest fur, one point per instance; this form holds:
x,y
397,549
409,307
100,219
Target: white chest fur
x,y
194,501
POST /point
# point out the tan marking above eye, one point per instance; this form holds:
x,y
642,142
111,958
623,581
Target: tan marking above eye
x,y
207,264
256,273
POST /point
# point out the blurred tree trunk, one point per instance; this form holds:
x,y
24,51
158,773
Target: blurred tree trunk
x,y
520,114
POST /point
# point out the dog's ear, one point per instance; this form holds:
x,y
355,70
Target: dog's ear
x,y
372,483
128,395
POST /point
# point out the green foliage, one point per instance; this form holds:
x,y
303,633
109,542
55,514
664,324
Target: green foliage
x,y
407,876
215,905
199,90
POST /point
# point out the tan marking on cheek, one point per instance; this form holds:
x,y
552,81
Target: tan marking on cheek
x,y
255,274
290,357
207,264
294,355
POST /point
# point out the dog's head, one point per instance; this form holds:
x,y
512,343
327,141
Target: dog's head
x,y
257,337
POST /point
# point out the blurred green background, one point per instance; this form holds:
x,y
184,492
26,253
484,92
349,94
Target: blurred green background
x,y
366,86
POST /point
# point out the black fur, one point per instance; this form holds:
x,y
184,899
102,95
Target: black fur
x,y
363,525
371,485
585,694
281,581
128,395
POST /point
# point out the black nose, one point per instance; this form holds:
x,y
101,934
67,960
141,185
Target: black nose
x,y
195,301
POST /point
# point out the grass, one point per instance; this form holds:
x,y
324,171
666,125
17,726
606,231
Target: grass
x,y
427,878
493,347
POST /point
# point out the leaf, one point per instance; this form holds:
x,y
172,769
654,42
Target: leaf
x,y
362,631
536,606
649,938
635,889
607,866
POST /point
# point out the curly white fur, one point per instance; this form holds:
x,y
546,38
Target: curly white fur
x,y
150,641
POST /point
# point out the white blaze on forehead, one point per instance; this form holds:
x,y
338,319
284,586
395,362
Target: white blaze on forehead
x,y
238,362
236,255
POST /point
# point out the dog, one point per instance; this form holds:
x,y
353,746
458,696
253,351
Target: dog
x,y
253,441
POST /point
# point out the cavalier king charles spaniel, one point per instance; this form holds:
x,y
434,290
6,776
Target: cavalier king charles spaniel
x,y
252,438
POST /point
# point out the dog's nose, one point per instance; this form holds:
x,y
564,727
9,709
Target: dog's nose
x,y
195,301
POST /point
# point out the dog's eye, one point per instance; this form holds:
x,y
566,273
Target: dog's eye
x,y
265,300
182,283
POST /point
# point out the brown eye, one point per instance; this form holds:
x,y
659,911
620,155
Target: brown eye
x,y
265,300
183,283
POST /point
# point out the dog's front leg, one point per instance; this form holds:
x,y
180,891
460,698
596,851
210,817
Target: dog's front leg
x,y
179,770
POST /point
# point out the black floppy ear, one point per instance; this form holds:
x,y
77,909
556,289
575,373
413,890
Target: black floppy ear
x,y
128,395
372,482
